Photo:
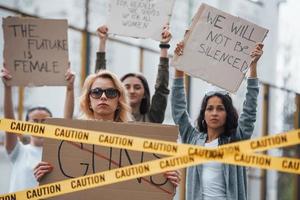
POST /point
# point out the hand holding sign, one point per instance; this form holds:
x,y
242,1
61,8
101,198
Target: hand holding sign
x,y
257,53
5,75
102,35
255,56
166,36
42,169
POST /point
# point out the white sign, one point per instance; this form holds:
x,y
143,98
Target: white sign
x,y
218,46
139,18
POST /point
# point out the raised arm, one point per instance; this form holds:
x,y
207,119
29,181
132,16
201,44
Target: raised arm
x,y
160,97
100,60
10,138
179,104
69,100
248,115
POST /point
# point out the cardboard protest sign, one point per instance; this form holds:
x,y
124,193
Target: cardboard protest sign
x,y
139,18
75,159
218,46
35,51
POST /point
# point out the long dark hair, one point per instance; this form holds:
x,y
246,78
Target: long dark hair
x,y
145,104
231,114
37,108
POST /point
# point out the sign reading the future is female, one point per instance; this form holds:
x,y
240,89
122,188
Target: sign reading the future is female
x,y
36,51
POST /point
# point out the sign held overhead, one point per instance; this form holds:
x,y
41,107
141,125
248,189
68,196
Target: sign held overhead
x,y
36,51
139,18
218,46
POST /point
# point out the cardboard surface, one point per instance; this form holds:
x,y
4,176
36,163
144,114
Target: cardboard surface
x,y
140,19
36,51
75,159
218,46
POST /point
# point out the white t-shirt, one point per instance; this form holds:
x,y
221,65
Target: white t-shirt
x,y
24,158
213,179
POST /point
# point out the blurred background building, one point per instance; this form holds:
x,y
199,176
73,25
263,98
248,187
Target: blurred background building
x,y
279,71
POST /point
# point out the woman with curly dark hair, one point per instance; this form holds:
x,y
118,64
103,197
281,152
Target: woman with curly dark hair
x,y
218,123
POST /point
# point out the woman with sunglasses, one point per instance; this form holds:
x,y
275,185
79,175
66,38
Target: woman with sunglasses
x,y
137,86
144,109
103,98
25,157
218,123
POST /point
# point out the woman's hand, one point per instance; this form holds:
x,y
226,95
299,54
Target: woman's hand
x,y
179,52
166,35
174,177
179,49
255,55
5,75
70,77
102,34
41,170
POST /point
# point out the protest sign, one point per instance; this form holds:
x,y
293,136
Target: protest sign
x,y
77,159
35,51
218,46
139,18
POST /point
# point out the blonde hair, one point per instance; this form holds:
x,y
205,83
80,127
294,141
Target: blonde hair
x,y
123,112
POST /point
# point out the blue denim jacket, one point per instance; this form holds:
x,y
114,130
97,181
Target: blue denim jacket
x,y
235,176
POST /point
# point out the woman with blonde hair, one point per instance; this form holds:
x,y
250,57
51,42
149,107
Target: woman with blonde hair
x,y
104,98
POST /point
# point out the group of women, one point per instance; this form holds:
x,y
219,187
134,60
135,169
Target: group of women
x,y
106,97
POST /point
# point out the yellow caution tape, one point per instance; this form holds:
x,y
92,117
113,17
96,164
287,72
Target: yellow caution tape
x,y
147,169
183,156
145,144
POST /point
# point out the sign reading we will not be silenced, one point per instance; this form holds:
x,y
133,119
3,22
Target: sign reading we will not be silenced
x,y
36,51
218,46
139,18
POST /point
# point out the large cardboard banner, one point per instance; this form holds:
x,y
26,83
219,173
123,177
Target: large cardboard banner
x,y
75,159
139,18
36,51
218,46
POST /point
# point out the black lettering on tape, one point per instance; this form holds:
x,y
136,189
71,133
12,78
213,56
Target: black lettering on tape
x,y
87,181
277,140
73,134
29,128
43,191
172,162
124,142
289,164
252,159
132,171
9,197
157,146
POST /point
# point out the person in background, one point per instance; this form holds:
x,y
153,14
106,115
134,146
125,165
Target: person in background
x,y
25,157
143,109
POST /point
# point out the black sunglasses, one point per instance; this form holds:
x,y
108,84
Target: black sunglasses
x,y
110,93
